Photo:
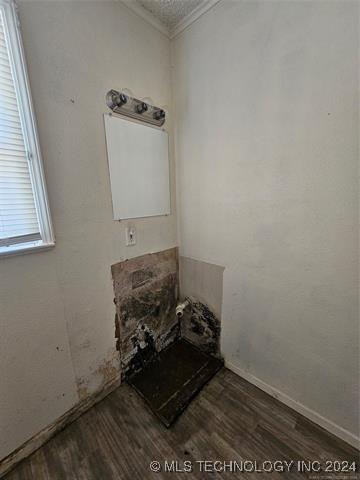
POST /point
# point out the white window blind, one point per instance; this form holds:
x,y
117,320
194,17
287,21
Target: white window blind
x,y
24,213
18,217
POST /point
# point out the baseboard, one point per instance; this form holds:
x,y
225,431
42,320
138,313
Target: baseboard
x,y
315,417
35,442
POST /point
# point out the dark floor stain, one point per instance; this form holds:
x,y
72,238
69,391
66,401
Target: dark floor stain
x,y
171,381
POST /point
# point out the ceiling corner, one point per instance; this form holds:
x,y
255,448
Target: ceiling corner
x,y
147,16
202,8
170,17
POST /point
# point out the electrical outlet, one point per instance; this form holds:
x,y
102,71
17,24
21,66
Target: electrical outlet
x,y
130,236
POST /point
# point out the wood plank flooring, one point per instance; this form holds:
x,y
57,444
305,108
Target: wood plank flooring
x,y
230,420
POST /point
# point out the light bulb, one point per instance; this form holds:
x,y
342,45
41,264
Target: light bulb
x,y
142,107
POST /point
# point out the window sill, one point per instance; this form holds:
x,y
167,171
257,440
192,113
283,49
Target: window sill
x,y
25,248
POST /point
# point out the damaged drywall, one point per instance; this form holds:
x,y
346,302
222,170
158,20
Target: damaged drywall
x,y
146,293
201,327
202,284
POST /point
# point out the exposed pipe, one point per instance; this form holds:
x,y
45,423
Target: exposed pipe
x,y
181,307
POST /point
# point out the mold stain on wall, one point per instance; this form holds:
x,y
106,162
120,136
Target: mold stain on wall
x,y
202,284
201,327
146,293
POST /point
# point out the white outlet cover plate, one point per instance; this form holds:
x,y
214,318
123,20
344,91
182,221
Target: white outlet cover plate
x,y
130,233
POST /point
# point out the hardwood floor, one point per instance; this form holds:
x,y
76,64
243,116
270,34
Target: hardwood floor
x,y
230,420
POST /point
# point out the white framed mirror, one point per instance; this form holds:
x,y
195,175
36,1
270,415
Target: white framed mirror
x,y
138,157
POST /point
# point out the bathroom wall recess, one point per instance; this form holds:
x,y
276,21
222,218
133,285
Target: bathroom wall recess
x,y
146,293
146,290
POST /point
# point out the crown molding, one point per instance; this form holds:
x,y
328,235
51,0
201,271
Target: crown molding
x,y
146,15
204,6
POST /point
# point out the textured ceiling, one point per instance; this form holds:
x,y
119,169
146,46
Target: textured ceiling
x,y
170,12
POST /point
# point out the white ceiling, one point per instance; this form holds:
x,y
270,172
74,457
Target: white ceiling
x,y
170,12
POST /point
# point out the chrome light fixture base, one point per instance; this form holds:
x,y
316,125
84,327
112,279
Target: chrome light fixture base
x,y
132,107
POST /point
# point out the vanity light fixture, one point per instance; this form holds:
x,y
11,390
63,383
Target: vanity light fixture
x,y
132,107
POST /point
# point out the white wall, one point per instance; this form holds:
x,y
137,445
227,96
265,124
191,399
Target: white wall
x,y
266,98
57,313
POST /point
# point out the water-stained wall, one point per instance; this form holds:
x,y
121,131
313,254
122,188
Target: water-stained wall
x,y
201,327
146,292
202,284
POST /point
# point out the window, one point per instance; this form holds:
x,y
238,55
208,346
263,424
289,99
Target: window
x,y
25,222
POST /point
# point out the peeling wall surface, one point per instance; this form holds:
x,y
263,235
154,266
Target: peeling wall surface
x,y
146,292
202,284
57,341
267,130
201,327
